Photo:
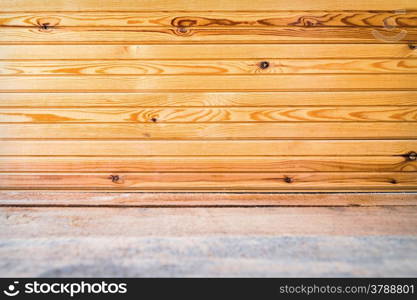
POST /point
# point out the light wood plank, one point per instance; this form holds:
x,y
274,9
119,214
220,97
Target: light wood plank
x,y
271,242
210,115
341,130
209,67
401,181
226,51
103,35
202,148
213,99
210,5
326,18
31,198
259,225
209,164
318,82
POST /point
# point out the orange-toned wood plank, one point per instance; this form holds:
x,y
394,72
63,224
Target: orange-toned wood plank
x,y
201,5
209,67
201,148
209,164
341,130
226,51
203,83
103,35
209,99
401,181
327,18
210,115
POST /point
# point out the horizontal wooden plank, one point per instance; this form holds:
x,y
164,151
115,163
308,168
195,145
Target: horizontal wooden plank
x,y
103,35
208,67
283,82
208,235
401,181
209,115
209,164
235,99
338,130
33,198
226,51
208,241
211,5
326,18
202,148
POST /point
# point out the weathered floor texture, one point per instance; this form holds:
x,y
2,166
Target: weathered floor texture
x,y
208,242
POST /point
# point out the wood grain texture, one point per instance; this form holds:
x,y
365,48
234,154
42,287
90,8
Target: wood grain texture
x,y
208,99
338,130
257,224
208,242
283,82
209,67
267,148
205,5
400,181
209,51
327,18
208,95
210,115
120,199
105,35
209,164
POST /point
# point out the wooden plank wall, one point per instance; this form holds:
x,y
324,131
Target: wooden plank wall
x,y
238,95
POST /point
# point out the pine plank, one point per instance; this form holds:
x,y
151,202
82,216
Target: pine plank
x,y
199,148
105,35
209,51
206,5
269,148
208,67
328,18
400,181
208,99
145,83
209,164
210,115
146,131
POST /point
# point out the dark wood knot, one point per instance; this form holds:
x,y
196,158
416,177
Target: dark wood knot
x,y
288,179
154,120
412,47
264,64
309,23
393,181
44,26
114,178
182,29
412,156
